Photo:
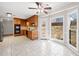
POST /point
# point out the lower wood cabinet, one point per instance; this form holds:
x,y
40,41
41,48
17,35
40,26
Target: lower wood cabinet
x,y
32,35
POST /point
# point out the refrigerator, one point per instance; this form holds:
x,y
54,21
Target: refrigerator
x,y
1,31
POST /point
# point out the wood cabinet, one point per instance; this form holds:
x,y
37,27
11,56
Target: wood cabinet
x,y
23,32
32,22
23,22
17,21
32,35
27,25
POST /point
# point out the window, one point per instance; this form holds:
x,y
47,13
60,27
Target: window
x,y
57,28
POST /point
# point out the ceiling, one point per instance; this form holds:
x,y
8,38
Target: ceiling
x,y
20,9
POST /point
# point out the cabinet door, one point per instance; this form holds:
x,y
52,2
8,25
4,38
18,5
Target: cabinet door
x,y
17,21
30,34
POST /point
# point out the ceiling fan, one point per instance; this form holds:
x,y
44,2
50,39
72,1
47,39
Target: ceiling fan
x,y
41,7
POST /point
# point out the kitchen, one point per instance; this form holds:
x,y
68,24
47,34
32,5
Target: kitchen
x,y
27,27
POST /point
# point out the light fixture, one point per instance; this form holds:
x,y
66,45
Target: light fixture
x,y
9,14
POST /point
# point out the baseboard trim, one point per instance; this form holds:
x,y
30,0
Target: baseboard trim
x,y
8,35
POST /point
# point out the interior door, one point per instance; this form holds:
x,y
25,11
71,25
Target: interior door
x,y
43,28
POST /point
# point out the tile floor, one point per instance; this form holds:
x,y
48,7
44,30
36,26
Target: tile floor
x,y
22,46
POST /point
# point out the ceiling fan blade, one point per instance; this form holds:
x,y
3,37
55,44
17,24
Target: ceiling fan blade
x,y
38,4
47,8
32,8
45,12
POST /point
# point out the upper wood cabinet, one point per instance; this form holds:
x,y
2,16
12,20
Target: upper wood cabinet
x,y
33,20
36,20
17,21
23,23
